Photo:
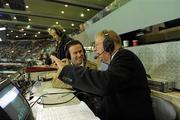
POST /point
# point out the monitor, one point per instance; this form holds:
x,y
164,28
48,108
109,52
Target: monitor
x,y
13,105
2,34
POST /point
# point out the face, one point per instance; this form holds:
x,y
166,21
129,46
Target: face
x,y
52,32
104,57
77,54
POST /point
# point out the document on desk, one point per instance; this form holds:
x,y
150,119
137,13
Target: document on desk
x,y
72,112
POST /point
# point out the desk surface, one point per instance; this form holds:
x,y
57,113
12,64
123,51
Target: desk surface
x,y
41,88
171,94
46,87
73,109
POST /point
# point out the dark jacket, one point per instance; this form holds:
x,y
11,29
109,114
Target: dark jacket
x,y
60,48
124,87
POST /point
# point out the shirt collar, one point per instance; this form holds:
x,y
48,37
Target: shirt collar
x,y
114,54
80,64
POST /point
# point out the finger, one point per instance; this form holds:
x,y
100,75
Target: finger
x,y
57,61
53,58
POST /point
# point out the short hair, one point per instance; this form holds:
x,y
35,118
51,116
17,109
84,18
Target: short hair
x,y
72,43
112,35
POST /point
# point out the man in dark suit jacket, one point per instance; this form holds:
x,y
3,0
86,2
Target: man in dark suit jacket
x,y
123,86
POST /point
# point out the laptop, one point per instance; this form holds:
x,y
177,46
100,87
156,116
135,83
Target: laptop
x,y
13,105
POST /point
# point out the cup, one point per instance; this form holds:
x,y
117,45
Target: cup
x,y
135,42
125,43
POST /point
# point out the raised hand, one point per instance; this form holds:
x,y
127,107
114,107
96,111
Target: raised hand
x,y
58,62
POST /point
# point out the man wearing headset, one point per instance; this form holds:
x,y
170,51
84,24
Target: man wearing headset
x,y
123,86
56,31
76,55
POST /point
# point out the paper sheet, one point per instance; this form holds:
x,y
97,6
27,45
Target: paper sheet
x,y
72,112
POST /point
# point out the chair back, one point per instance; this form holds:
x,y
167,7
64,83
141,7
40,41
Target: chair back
x,y
163,110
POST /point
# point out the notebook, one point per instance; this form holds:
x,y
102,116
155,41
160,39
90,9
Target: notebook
x,y
72,112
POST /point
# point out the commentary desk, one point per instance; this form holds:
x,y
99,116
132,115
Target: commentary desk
x,y
66,103
40,88
60,95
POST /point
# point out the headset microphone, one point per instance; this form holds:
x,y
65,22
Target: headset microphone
x,y
95,57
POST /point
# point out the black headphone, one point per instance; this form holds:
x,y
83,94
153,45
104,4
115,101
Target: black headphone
x,y
108,43
57,31
71,43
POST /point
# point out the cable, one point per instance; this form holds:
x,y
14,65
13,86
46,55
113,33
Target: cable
x,y
44,95
35,101
56,103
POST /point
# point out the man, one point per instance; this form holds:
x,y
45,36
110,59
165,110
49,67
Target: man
x,y
123,86
56,31
76,55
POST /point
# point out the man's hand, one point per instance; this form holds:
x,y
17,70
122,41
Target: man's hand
x,y
58,62
53,65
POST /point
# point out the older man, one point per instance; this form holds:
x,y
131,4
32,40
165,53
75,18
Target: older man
x,y
123,86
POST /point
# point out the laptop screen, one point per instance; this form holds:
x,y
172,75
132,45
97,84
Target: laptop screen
x,y
13,104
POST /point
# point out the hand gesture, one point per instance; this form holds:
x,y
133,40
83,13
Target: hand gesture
x,y
58,62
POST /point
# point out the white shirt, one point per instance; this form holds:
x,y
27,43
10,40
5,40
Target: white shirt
x,y
114,54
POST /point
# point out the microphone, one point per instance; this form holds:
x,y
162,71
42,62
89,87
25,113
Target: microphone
x,y
95,57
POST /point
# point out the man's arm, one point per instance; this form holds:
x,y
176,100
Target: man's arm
x,y
57,83
88,80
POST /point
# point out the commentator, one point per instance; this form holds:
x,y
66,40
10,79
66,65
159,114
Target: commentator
x,y
123,86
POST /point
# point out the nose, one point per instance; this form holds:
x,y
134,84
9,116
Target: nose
x,y
79,54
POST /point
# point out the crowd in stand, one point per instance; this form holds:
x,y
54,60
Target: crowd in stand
x,y
17,51
20,49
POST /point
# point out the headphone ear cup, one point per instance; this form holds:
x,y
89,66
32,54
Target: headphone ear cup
x,y
85,58
67,54
58,32
66,47
108,44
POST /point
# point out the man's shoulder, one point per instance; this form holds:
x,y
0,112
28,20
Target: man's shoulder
x,y
91,64
67,38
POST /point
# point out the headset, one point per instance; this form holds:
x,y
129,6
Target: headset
x,y
108,43
71,43
57,31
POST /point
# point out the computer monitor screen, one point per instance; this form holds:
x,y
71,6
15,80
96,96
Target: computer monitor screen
x,y
13,105
2,34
